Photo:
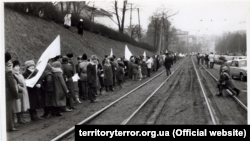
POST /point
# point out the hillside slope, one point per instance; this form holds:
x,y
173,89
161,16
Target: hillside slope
x,y
26,37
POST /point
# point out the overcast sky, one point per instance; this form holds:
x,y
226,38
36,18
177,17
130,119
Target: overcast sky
x,y
196,17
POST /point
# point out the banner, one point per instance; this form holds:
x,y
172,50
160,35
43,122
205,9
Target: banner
x,y
144,54
52,51
128,54
111,53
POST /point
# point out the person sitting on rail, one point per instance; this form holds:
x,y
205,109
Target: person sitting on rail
x,y
226,83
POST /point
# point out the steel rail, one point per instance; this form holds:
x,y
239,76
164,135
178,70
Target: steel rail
x,y
59,137
205,96
136,111
230,93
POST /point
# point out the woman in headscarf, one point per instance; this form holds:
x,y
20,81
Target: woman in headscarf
x,y
48,91
22,104
35,93
60,88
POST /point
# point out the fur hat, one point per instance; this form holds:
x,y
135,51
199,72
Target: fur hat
x,y
84,57
56,64
70,55
93,57
15,63
29,63
7,57
65,59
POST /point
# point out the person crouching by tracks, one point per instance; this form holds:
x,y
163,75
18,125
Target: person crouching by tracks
x,y
168,62
225,82
92,78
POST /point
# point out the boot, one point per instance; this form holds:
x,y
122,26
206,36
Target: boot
x,y
78,101
237,91
100,91
19,119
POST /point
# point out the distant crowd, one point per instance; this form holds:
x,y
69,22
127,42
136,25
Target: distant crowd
x,y
56,92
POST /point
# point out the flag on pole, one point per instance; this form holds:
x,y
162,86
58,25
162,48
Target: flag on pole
x,y
111,53
128,54
144,54
52,51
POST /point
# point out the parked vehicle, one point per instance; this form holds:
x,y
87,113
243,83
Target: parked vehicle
x,y
238,68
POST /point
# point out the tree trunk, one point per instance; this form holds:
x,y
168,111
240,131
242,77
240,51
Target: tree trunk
x,y
123,14
61,7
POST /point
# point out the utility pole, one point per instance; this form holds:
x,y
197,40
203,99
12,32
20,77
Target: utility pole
x,y
139,37
130,22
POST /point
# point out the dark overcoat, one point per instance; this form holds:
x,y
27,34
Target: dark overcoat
x,y
35,94
168,62
68,72
91,75
108,75
48,89
144,68
120,73
60,89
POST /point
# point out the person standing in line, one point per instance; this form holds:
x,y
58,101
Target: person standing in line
x,y
48,91
108,75
168,63
92,78
35,93
79,59
11,94
211,60
144,68
149,66
206,60
60,89
22,104
83,77
100,75
198,58
80,27
68,73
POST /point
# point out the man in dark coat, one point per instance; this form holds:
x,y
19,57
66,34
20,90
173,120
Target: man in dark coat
x,y
92,79
80,27
11,93
168,62
198,58
35,93
68,73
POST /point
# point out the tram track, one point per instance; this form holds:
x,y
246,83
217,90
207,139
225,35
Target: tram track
x,y
97,114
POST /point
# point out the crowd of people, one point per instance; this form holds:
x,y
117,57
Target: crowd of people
x,y
56,91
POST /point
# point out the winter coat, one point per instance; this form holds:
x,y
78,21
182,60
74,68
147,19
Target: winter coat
x,y
100,74
108,75
211,58
60,88
120,73
48,88
135,68
22,104
11,91
83,70
68,73
130,69
35,94
149,63
92,75
168,62
144,68
80,28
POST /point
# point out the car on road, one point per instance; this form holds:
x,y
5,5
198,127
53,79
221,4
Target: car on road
x,y
238,68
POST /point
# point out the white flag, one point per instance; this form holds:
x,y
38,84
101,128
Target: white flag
x,y
144,54
111,53
128,54
52,51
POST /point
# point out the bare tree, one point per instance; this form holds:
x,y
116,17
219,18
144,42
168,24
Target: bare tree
x,y
120,23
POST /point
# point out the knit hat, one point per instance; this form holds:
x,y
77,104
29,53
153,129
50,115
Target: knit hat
x,y
29,63
56,64
70,55
15,63
7,57
65,59
84,57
